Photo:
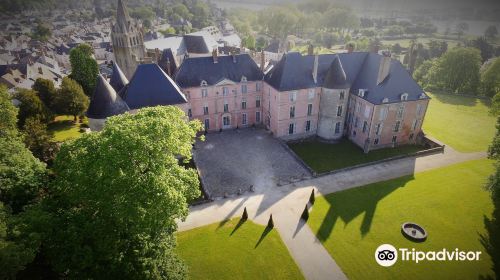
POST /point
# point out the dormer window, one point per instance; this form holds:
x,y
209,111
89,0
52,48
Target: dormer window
x,y
422,96
243,79
385,100
203,83
362,93
404,96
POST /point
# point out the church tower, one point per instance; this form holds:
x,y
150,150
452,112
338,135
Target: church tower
x,y
127,39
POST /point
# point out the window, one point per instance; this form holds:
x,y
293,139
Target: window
x,y
243,104
365,126
342,95
244,119
358,107
225,91
383,113
337,128
404,96
400,112
368,110
310,94
205,110
203,83
292,96
207,124
257,101
396,127
414,125
308,126
411,136
190,114
291,127
257,86
339,111
257,117
243,88
375,142
394,139
226,121
204,92
356,120
378,129
361,93
292,112
226,107
420,110
309,109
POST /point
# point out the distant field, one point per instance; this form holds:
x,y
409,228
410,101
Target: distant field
x,y
226,251
463,123
450,203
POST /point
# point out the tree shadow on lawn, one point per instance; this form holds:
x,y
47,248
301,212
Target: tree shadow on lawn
x,y
266,231
451,99
61,125
238,225
349,204
231,214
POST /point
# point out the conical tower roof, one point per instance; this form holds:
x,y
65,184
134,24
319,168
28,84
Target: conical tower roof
x,y
118,80
105,102
335,77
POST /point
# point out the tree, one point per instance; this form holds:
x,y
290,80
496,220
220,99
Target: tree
x,y
117,195
461,28
84,68
491,32
46,91
38,140
70,99
8,114
396,48
41,32
457,71
483,46
437,48
31,107
420,74
249,42
490,79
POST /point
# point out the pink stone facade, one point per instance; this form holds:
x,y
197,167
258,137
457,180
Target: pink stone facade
x,y
227,105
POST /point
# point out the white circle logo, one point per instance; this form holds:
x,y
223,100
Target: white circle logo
x,y
386,255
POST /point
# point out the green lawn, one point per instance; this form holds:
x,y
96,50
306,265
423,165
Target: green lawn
x,y
450,203
323,157
216,252
64,129
460,122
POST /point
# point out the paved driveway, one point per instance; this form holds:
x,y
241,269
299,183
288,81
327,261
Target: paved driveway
x,y
234,161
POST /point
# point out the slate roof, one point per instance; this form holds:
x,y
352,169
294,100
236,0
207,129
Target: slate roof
x,y
196,69
118,79
294,72
105,102
150,86
166,56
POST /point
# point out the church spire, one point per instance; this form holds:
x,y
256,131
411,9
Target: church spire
x,y
122,16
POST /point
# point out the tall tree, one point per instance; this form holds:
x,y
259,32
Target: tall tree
x,y
38,140
491,32
84,68
457,71
8,114
46,90
461,28
490,80
31,107
117,195
70,99
483,46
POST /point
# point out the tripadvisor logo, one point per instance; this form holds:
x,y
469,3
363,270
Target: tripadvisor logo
x,y
387,255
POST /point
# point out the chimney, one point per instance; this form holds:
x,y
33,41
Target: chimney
x,y
315,69
384,68
262,60
168,67
350,48
157,55
310,49
214,55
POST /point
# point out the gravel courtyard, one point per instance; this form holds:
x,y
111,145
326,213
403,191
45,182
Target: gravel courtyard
x,y
234,161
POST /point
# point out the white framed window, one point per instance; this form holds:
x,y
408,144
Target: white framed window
x,y
309,109
400,112
207,124
203,83
394,139
308,126
257,86
339,111
397,126
243,79
292,96
257,117
226,107
420,110
310,94
365,126
356,121
205,110
244,119
385,100
243,104
378,129
383,113
361,93
342,95
243,88
292,112
414,125
291,128
204,92
367,112
257,101
225,91
404,96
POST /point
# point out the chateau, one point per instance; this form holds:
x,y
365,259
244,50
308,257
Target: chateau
x,y
369,98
